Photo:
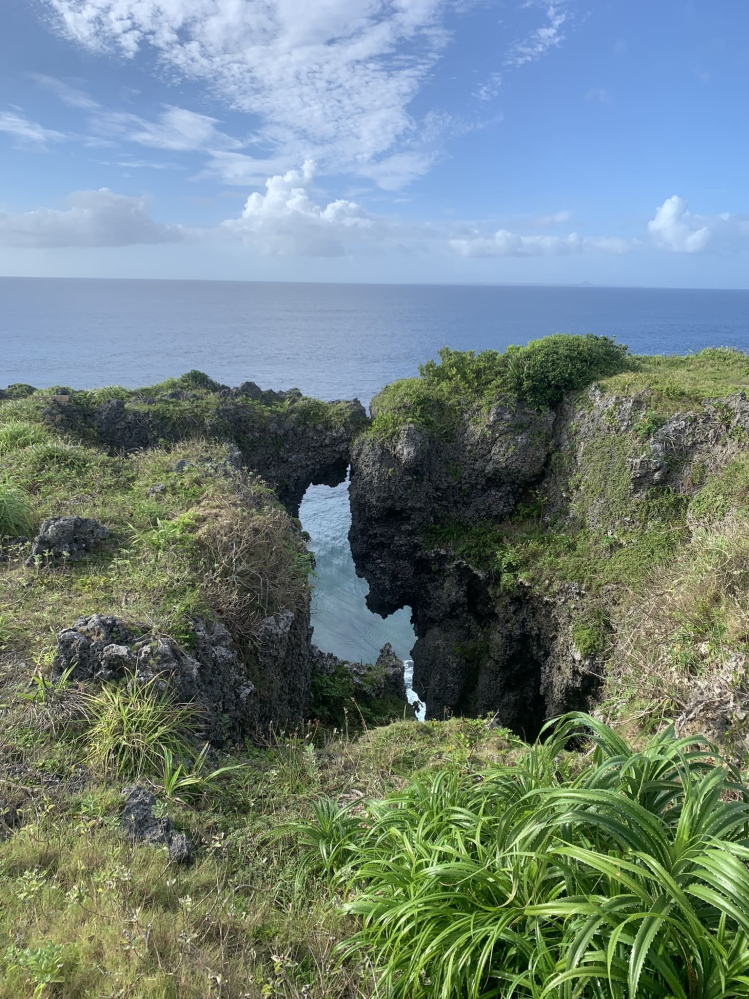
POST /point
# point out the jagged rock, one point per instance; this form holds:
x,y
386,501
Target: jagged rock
x,y
71,538
287,444
81,647
371,686
104,649
509,651
140,824
393,671
181,850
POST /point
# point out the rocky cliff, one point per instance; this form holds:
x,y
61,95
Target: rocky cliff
x,y
517,533
144,529
292,441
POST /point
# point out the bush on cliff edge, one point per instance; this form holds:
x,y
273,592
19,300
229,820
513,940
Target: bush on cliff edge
x,y
537,375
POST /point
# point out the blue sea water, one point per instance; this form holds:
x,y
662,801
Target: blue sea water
x,y
331,341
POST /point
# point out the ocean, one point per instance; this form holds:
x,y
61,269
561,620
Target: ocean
x,y
331,341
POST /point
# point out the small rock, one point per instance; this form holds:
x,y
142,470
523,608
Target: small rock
x,y
70,538
10,818
141,825
182,465
181,849
139,821
156,490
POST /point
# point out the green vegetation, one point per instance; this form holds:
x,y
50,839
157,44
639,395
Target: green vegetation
x,y
353,858
339,701
134,729
620,874
16,514
537,375
112,918
212,542
677,382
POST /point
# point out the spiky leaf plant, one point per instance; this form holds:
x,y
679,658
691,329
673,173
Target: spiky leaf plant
x,y
628,878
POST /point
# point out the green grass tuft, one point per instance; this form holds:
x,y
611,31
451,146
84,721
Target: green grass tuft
x,y
16,512
132,726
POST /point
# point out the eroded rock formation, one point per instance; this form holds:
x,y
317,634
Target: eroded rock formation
x,y
595,464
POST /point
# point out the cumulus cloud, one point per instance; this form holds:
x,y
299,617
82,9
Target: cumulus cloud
x,y
288,222
675,228
93,219
27,133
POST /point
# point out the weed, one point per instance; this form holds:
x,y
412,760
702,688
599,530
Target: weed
x,y
43,966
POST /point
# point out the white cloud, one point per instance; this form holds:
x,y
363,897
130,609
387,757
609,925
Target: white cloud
x,y
333,78
490,87
176,129
68,94
93,219
675,228
27,133
287,222
549,36
511,244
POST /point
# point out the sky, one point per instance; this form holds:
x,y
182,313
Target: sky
x,y
486,141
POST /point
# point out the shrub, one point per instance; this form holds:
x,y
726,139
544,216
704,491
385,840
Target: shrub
x,y
539,374
133,726
16,515
19,390
542,372
590,633
627,878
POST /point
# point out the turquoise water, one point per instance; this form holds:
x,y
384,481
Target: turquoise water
x,y
333,341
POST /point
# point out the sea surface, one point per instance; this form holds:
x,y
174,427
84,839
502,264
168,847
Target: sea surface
x,y
331,341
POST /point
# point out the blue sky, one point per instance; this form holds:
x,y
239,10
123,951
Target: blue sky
x,y
540,141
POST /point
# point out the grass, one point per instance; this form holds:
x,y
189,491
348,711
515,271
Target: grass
x,y
134,728
250,918
619,874
16,513
675,382
214,543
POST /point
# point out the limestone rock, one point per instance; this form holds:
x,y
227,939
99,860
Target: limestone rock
x,y
71,538
393,672
140,824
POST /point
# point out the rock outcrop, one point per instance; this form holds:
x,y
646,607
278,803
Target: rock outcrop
x,y
240,695
67,538
290,440
141,825
377,691
594,462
